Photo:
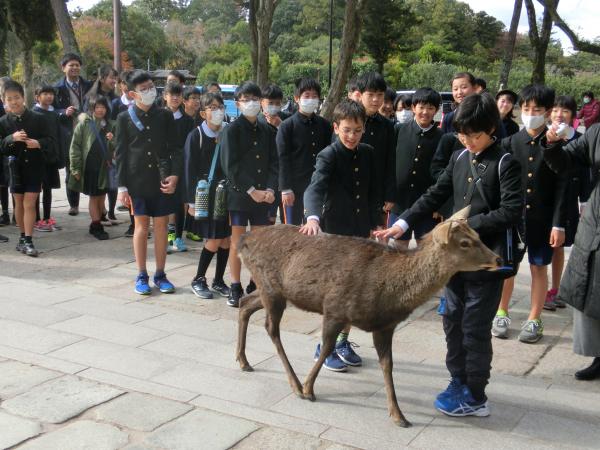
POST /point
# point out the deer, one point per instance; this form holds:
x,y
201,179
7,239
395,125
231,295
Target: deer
x,y
368,285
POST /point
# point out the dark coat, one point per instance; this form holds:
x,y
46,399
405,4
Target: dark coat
x,y
342,190
510,126
580,284
62,100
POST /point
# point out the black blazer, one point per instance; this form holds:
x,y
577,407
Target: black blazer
x,y
342,190
249,159
544,190
62,100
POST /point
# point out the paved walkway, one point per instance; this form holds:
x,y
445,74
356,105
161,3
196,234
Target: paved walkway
x,y
87,364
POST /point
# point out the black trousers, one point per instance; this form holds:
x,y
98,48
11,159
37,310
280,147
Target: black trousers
x,y
72,196
470,308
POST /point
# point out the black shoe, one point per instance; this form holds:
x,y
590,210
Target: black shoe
x,y
130,230
236,292
589,373
221,288
4,219
251,287
3,238
30,250
122,208
200,288
21,245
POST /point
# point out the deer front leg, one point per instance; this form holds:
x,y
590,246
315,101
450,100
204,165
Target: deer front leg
x,y
383,344
329,334
249,305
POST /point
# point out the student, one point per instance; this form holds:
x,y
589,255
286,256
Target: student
x,y
200,148
403,108
341,199
148,164
25,136
68,102
215,88
506,100
353,90
299,141
463,85
184,124
545,219
480,85
249,160
579,187
472,297
379,134
387,109
416,144
191,103
105,85
91,155
44,96
120,104
175,76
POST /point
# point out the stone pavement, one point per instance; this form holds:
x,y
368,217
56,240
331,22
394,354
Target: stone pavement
x,y
87,364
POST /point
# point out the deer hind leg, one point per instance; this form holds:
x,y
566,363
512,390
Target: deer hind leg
x,y
329,334
275,310
383,344
248,306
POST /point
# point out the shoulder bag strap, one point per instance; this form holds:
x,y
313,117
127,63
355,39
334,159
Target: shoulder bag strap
x,y
136,120
214,164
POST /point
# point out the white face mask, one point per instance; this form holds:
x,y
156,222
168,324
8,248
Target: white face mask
x,y
216,117
533,122
148,97
586,99
404,116
251,108
272,110
309,105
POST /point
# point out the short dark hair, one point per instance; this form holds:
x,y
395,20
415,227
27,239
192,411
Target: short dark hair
x,y
353,85
189,91
136,77
405,99
349,110
390,95
45,88
178,74
371,81
468,75
476,113
540,94
173,89
480,82
98,100
123,76
247,88
272,92
568,102
211,84
70,57
12,85
589,94
427,96
208,98
307,84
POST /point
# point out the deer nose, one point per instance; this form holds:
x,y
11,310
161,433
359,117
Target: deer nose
x,y
499,261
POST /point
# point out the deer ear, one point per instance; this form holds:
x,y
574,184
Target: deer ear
x,y
441,233
463,214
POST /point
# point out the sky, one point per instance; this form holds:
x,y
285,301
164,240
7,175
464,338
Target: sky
x,y
580,15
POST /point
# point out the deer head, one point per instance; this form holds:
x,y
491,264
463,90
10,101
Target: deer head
x,y
461,245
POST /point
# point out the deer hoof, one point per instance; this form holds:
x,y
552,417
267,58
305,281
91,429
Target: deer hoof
x,y
403,423
247,368
310,397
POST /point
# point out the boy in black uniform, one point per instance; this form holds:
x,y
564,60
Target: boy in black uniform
x,y
379,134
249,159
545,211
341,199
26,139
472,297
148,165
417,141
299,140
191,103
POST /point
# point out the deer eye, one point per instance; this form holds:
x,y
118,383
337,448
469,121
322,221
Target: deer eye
x,y
464,244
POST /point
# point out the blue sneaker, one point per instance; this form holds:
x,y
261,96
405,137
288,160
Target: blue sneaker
x,y
163,285
347,354
461,405
442,306
179,245
141,285
332,362
453,389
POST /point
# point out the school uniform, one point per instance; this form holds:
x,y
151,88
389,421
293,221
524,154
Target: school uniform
x,y
30,163
342,190
473,297
145,157
299,140
52,178
544,194
510,126
118,105
414,151
249,160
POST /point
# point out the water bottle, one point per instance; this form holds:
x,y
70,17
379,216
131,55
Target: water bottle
x,y
220,209
201,200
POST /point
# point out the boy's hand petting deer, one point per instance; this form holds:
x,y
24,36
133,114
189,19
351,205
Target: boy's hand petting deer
x,y
367,285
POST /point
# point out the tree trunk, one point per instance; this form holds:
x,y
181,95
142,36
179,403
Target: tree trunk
x,y
28,73
510,45
253,8
65,27
539,41
350,35
260,21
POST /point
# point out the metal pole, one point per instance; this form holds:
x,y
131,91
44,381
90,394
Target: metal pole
x,y
330,41
117,34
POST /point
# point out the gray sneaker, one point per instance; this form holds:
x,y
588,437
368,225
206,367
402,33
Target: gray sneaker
x,y
500,326
532,331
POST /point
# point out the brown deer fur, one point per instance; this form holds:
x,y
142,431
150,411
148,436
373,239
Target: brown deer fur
x,y
351,281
